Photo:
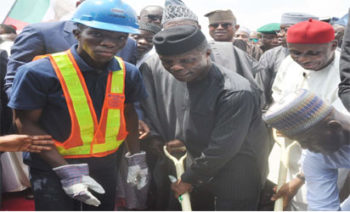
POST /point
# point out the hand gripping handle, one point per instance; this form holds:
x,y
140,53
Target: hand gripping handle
x,y
185,202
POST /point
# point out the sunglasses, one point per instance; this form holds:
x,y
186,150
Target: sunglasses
x,y
223,25
254,40
154,17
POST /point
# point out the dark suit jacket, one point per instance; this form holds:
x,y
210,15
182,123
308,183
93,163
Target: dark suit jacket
x,y
5,112
3,64
45,38
344,66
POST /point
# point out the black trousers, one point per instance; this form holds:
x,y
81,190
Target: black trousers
x,y
236,187
49,195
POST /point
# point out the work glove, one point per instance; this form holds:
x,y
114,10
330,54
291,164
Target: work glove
x,y
137,170
75,181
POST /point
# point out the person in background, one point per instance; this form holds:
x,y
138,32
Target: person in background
x,y
272,59
223,28
151,14
8,29
222,25
242,33
7,36
5,112
339,33
252,49
15,143
344,86
254,37
25,143
83,97
324,131
144,41
268,36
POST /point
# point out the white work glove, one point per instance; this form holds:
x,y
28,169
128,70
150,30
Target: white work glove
x,y
137,170
75,181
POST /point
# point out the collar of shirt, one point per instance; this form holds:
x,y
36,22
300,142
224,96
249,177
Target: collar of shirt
x,y
113,65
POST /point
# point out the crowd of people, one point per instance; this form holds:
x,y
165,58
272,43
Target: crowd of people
x,y
94,103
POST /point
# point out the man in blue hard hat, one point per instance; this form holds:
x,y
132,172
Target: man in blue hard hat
x,y
49,37
83,98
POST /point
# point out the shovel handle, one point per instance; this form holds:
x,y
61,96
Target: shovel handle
x,y
283,168
185,202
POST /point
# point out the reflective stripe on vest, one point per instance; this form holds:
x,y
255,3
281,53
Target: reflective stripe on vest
x,y
88,137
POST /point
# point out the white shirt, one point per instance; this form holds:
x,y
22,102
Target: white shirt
x,y
324,83
291,76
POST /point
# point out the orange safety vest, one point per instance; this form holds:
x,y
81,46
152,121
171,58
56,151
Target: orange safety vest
x,y
90,138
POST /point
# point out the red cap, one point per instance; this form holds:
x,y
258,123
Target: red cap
x,y
310,32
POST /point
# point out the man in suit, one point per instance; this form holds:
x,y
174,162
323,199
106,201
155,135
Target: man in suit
x,y
344,86
3,63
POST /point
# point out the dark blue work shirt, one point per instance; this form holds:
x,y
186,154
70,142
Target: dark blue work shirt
x,y
36,86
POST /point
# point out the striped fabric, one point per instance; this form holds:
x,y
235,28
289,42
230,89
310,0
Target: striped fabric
x,y
297,112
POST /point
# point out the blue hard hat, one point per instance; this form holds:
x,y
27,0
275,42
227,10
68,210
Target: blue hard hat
x,y
112,15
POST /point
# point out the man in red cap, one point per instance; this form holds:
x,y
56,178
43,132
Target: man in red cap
x,y
313,64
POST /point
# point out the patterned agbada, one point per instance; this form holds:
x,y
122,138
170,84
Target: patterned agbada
x,y
297,112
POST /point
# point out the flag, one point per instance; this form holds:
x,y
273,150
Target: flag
x,y
25,12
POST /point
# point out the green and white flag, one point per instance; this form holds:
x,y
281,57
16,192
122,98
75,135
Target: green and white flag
x,y
24,12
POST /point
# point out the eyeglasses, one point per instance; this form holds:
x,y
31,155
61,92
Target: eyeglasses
x,y
223,25
154,17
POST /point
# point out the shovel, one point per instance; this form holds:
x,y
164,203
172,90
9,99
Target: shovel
x,y
184,198
283,168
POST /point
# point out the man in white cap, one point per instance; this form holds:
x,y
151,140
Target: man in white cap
x,y
251,48
324,131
